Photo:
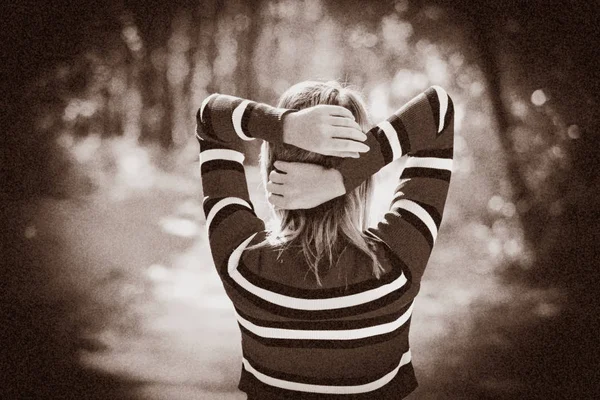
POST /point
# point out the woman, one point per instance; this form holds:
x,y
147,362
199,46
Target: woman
x,y
323,301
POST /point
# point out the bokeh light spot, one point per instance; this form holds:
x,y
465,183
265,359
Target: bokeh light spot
x,y
508,209
547,310
495,203
30,232
574,132
158,273
180,227
539,98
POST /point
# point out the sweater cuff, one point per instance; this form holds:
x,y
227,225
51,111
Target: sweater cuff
x,y
355,171
267,123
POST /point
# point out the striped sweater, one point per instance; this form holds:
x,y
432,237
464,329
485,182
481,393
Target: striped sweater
x,y
349,338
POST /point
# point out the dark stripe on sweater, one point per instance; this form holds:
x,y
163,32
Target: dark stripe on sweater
x,y
432,211
434,102
287,312
402,133
423,172
314,380
399,387
198,118
246,118
329,293
394,259
211,145
384,144
206,122
225,213
449,114
436,153
216,165
332,325
416,222
329,343
210,202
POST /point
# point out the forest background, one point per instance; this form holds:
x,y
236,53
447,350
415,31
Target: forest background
x,y
107,288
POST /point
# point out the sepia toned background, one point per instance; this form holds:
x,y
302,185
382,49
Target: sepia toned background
x,y
107,288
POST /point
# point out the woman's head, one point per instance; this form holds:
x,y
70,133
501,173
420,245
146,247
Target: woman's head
x,y
321,231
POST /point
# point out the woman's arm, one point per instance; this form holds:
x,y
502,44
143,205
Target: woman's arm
x,y
223,124
323,129
424,131
420,125
229,121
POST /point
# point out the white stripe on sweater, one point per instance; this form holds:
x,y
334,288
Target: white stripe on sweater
x,y
429,162
221,204
236,118
349,334
307,304
420,212
392,137
443,99
326,389
221,154
204,103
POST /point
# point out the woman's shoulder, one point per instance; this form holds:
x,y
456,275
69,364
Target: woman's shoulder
x,y
286,263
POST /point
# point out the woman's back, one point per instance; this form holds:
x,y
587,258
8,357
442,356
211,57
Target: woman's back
x,y
351,330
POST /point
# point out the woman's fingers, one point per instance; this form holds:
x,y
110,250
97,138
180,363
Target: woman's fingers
x,y
344,121
348,133
337,111
290,169
306,185
343,145
277,200
284,166
346,127
275,188
347,154
277,177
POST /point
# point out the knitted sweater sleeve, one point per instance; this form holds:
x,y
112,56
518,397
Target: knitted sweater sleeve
x,y
223,123
423,130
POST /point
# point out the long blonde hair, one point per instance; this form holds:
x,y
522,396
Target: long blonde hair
x,y
317,231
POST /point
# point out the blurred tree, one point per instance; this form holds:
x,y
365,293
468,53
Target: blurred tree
x,y
154,21
526,35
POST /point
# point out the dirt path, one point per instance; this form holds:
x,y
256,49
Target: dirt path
x,y
147,305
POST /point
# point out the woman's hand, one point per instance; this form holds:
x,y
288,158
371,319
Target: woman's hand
x,y
325,129
303,185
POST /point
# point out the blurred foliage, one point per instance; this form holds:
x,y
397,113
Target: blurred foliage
x,y
135,88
